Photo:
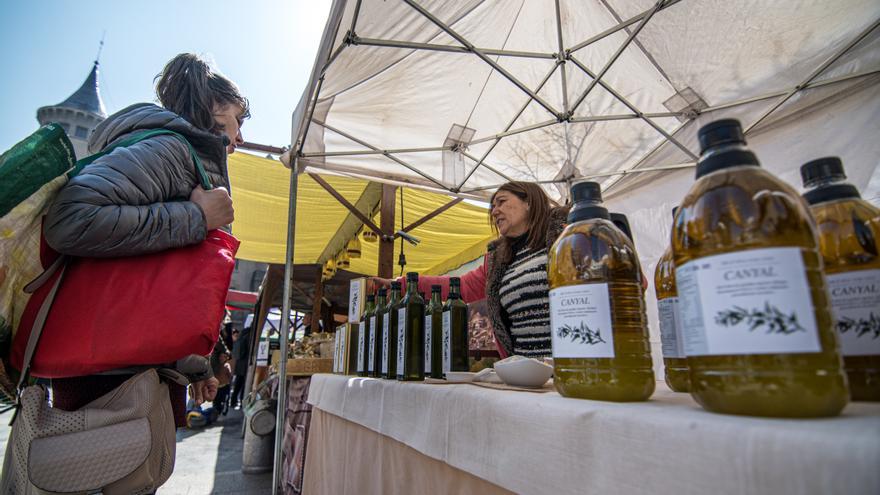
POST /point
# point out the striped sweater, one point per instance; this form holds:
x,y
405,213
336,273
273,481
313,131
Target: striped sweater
x,y
524,297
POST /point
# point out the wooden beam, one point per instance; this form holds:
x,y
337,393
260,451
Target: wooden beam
x,y
316,303
386,244
354,211
431,215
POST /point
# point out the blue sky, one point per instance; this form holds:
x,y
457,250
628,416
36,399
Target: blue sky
x,y
47,48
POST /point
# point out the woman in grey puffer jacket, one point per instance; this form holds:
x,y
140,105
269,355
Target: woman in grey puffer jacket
x,y
146,197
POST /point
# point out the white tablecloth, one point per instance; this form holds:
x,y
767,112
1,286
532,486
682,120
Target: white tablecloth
x,y
546,444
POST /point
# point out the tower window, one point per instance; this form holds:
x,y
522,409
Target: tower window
x,y
82,132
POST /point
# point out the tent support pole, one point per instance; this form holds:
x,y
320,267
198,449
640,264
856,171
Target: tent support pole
x,y
614,57
623,25
386,239
377,152
509,125
285,324
819,70
448,48
384,153
431,215
562,60
344,202
451,32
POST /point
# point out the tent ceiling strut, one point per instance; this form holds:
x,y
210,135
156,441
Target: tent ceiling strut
x,y
614,57
623,25
344,202
483,57
448,48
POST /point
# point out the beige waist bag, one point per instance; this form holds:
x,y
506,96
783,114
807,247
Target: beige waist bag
x,y
121,443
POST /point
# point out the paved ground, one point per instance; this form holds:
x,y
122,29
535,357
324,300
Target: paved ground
x,y
208,460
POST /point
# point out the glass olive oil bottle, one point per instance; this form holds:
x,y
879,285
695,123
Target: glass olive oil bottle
x,y
364,336
377,320
674,360
389,334
598,326
410,332
434,334
455,330
849,241
755,313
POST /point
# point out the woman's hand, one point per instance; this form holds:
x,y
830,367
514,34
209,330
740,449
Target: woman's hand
x,y
374,283
216,204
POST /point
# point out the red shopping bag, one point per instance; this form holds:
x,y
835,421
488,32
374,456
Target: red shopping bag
x,y
112,313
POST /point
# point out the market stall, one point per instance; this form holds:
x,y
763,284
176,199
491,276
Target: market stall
x,y
464,96
458,436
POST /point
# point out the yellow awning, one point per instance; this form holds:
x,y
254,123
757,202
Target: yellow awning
x,y
260,189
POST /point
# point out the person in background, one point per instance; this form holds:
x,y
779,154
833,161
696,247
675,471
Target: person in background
x,y
222,369
513,275
147,197
240,355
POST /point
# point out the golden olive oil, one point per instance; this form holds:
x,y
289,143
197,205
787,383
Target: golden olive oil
x,y
455,342
755,313
389,334
598,325
849,230
677,373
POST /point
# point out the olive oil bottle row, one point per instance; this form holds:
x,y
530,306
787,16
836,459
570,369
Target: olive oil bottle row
x,y
754,292
758,287
407,339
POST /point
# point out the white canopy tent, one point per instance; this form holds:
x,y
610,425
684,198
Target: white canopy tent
x,y
465,95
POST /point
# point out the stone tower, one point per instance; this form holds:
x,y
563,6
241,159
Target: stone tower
x,y
79,114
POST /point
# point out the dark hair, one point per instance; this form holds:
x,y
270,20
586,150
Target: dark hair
x,y
538,216
189,87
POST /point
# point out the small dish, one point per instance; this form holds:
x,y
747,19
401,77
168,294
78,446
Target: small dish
x,y
523,372
459,376
487,375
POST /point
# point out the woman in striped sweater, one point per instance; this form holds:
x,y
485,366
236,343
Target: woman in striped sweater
x,y
513,276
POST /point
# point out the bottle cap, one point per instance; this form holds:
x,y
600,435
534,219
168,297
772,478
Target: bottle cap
x,y
724,131
716,147
412,276
383,292
371,298
674,211
823,169
586,191
436,288
454,281
395,285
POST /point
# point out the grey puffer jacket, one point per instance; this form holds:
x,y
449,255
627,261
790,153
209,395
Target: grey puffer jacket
x,y
135,200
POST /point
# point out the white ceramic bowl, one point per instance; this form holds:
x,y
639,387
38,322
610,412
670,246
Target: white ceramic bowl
x,y
524,372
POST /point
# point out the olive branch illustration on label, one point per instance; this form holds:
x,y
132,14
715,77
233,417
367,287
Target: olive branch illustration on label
x,y
581,332
860,326
771,318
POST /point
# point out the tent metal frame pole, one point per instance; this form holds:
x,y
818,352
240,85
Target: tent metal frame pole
x,y
614,57
356,40
604,118
461,39
638,171
561,59
346,203
381,152
507,128
285,325
485,165
623,25
776,94
597,79
819,70
376,152
513,132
